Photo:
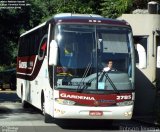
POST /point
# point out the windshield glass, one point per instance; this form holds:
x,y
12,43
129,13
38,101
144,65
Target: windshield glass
x,y
84,54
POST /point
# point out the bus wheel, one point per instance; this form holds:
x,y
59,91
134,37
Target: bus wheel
x,y
47,117
24,103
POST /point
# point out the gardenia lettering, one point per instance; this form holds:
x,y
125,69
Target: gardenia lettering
x,y
64,95
25,64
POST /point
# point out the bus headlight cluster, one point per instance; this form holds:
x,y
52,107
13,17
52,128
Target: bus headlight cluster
x,y
125,103
128,113
65,102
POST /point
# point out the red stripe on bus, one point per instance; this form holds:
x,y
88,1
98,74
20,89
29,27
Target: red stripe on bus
x,y
94,99
25,73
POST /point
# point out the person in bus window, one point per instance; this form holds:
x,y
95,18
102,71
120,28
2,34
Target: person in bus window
x,y
109,66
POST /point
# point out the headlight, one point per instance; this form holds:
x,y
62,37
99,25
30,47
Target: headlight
x,y
65,102
125,103
128,113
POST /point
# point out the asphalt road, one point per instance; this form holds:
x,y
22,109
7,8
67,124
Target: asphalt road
x,y
13,118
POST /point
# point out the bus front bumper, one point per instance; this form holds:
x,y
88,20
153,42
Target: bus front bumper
x,y
83,112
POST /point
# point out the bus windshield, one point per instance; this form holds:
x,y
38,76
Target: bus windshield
x,y
84,51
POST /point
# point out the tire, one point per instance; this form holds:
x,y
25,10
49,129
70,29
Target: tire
x,y
47,117
25,104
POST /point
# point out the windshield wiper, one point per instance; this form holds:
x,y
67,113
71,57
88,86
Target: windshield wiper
x,y
81,86
104,73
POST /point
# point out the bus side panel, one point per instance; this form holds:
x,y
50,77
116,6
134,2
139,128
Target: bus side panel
x,y
40,84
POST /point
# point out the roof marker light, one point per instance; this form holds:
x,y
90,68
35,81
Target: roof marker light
x,y
59,20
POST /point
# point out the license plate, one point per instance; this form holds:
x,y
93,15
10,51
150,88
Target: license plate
x,y
95,113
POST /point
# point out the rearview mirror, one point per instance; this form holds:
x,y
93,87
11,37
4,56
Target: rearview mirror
x,y
142,56
53,53
158,57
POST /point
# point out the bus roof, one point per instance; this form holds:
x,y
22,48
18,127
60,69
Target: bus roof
x,y
79,18
75,15
85,18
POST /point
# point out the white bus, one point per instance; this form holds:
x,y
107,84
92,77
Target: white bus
x,y
60,68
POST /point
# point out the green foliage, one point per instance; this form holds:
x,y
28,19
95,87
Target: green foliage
x,y
113,9
72,6
9,33
14,22
6,67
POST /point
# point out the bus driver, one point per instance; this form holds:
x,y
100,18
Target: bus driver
x,y
109,67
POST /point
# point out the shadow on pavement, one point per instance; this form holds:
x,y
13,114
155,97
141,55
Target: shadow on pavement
x,y
81,124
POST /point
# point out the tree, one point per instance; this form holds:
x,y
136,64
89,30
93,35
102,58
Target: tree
x,y
8,35
14,22
72,6
113,9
